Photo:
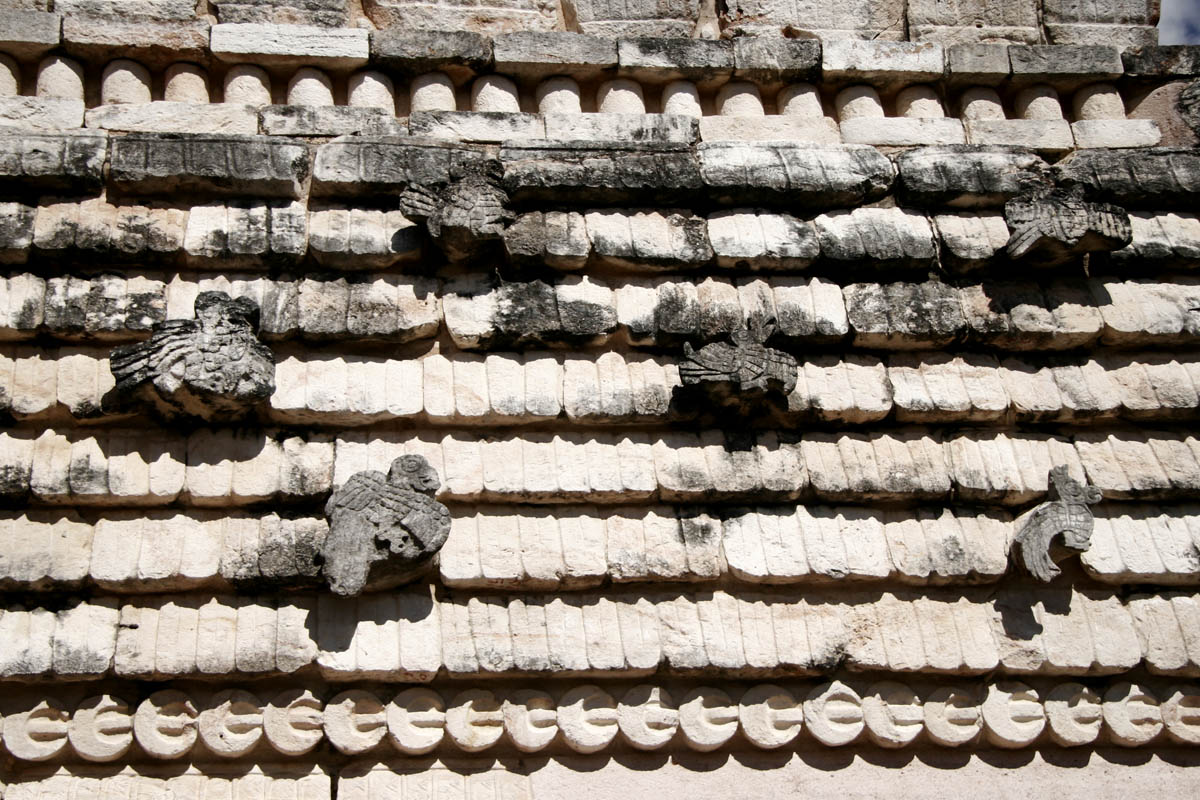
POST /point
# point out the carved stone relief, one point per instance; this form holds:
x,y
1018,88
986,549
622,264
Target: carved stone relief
x,y
742,369
1066,513
465,214
1053,226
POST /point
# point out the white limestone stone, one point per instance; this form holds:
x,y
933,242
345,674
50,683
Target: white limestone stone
x,y
290,45
416,721
101,728
981,103
10,77
433,91
1179,714
1116,133
799,100
1132,716
39,733
558,95
919,102
371,89
124,81
354,721
1073,713
682,98
708,718
858,102
1013,715
530,719
647,717
475,720
952,716
247,84
59,78
833,713
495,93
1038,103
770,716
587,718
893,714
165,724
231,723
739,99
620,96
293,722
310,87
185,83
1098,101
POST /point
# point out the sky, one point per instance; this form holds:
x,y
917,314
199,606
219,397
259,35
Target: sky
x,y
1179,22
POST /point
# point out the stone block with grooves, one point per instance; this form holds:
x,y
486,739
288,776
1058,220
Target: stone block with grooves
x,y
29,34
1154,178
648,128
1123,23
52,162
477,126
327,121
159,164
367,165
826,19
608,173
972,21
1167,61
674,18
768,59
290,45
811,175
969,176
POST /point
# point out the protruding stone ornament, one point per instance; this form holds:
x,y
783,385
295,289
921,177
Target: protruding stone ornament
x,y
384,530
742,367
1052,226
211,367
1066,513
466,213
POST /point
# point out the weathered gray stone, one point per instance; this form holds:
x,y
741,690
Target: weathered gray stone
x,y
669,59
295,120
326,13
1157,178
822,19
903,315
38,114
977,63
16,232
887,237
812,175
465,212
53,162
1066,513
540,53
1120,23
769,59
675,18
29,34
367,165
477,126
969,176
757,240
416,52
163,117
611,127
1064,65
151,42
1051,227
384,530
211,367
1167,61
208,164
290,45
970,21
610,173
502,16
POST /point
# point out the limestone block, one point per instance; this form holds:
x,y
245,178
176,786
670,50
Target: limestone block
x,y
883,467
1143,312
648,239
290,45
246,233
739,99
880,60
503,17
415,50
59,78
850,390
969,176
821,130
1024,316
1165,238
901,132
969,22
255,165
555,238
903,315
1042,136
743,238
124,81
890,237
681,98
609,173
673,58
813,309
16,232
246,84
812,175
538,53
477,126
357,165
54,162
933,386
29,34
858,20
1063,63
770,59
173,117
1116,133
1125,23
560,95
40,114
622,126
358,238
154,42
970,240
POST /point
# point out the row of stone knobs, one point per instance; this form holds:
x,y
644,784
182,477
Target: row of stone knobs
x,y
126,81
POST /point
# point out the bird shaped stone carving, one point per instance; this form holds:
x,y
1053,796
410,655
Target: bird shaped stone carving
x,y
1052,226
384,529
1065,513
210,367
466,213
744,362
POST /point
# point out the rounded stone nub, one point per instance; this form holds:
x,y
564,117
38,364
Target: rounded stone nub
x,y
10,77
433,91
800,100
124,81
920,102
620,96
495,93
310,87
1099,101
558,95
185,83
981,103
1038,102
856,102
60,78
371,89
683,98
739,99
248,85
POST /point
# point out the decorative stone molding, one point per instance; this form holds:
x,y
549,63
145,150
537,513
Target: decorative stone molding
x,y
213,367
384,530
170,725
1066,513
1052,227
464,214
741,369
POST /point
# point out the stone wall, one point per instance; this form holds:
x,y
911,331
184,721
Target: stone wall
x,y
544,400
